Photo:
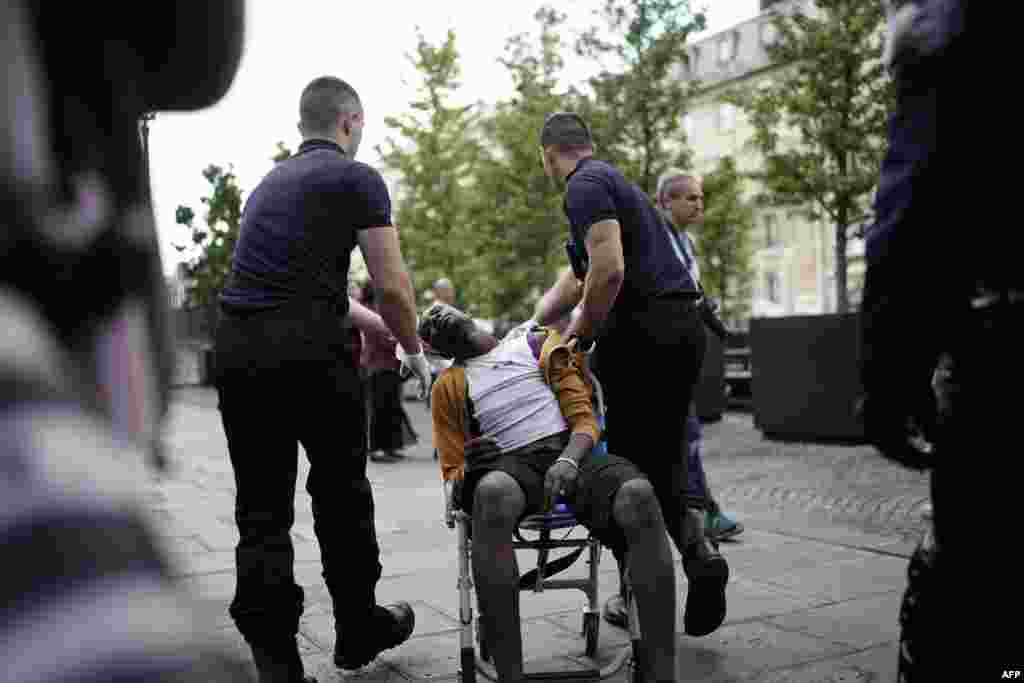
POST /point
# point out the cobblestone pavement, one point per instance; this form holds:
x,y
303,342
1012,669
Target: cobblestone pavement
x,y
848,484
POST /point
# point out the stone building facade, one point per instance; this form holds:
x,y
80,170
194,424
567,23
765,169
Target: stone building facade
x,y
793,257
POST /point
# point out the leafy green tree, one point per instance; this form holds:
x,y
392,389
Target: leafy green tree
x,y
435,157
724,241
215,237
524,227
282,153
637,108
821,123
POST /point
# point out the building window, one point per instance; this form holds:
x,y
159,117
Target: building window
x,y
727,48
771,233
769,33
771,287
694,59
726,117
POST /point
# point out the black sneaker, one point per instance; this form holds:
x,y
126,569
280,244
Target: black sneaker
x,y
389,627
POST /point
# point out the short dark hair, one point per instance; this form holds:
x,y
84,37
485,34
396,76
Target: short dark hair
x,y
323,101
567,132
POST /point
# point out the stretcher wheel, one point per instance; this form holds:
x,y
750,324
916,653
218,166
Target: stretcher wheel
x,y
591,628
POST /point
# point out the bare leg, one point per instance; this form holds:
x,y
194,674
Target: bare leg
x,y
498,502
638,514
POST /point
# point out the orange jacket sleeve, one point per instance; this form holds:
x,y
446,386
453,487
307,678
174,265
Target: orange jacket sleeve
x,y
448,410
564,374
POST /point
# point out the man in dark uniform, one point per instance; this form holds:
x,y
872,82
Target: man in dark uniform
x,y
285,378
639,305
931,294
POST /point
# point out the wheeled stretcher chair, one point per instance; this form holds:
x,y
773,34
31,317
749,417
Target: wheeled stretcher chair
x,y
534,532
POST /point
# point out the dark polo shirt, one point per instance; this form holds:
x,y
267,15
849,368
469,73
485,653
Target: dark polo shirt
x,y
299,228
597,191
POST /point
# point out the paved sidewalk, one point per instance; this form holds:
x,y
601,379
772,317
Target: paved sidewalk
x,y
809,600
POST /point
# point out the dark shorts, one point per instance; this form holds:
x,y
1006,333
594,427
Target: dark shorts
x,y
600,478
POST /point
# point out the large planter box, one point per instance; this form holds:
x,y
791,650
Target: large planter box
x,y
805,380
709,394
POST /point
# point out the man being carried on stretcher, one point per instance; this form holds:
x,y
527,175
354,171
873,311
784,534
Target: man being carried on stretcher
x,y
525,406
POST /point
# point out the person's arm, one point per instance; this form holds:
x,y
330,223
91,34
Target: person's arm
x,y
378,241
392,285
590,204
558,301
604,279
449,432
565,377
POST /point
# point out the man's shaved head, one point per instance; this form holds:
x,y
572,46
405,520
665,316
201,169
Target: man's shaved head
x,y
567,132
322,103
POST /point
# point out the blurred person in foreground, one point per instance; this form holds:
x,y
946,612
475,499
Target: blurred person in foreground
x,y
86,354
930,290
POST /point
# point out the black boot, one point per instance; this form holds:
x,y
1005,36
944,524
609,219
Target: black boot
x,y
279,662
708,575
388,626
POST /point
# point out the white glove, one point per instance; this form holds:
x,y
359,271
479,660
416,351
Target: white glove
x,y
416,364
521,329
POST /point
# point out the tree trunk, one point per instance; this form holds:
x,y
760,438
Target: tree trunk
x,y
842,296
725,312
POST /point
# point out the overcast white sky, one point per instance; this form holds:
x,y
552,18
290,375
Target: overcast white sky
x,y
290,43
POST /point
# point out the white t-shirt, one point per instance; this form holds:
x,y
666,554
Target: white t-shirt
x,y
511,400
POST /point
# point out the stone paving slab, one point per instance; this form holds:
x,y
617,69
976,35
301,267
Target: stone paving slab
x,y
746,600
743,649
218,587
849,579
435,656
322,668
861,623
609,638
790,559
873,665
817,526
